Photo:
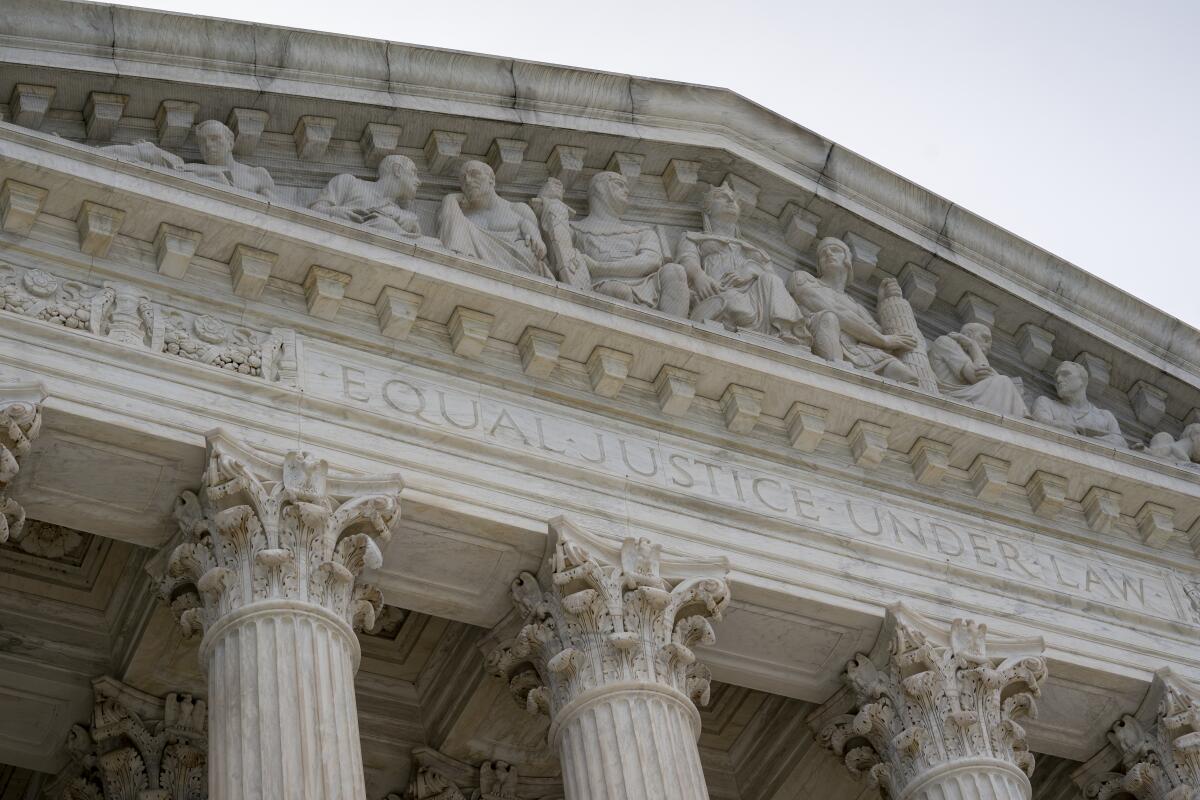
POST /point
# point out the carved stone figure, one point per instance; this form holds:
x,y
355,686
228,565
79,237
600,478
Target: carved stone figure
x,y
1073,411
1185,450
219,166
842,329
381,204
554,216
480,223
960,362
624,260
732,281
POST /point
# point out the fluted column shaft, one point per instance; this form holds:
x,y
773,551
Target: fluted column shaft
x,y
282,715
630,741
971,779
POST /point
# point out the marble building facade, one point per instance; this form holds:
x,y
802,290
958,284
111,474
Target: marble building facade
x,y
386,422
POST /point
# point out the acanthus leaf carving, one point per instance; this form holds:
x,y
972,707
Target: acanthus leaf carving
x,y
20,423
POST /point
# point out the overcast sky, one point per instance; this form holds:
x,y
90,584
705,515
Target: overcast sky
x,y
1072,123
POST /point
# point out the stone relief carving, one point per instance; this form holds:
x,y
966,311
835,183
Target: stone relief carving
x,y
732,281
258,531
438,777
137,747
1072,411
382,204
20,423
927,697
218,166
960,363
1183,451
480,223
45,540
1157,747
590,624
842,330
124,314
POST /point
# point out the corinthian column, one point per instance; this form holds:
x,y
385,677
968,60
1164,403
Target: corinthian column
x,y
1158,748
20,423
268,572
935,711
606,652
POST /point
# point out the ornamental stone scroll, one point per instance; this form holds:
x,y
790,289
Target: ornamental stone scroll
x,y
20,424
606,650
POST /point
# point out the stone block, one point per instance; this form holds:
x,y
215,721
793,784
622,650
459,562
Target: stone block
x,y
174,248
101,113
805,426
397,311
627,164
379,141
864,255
973,308
930,461
799,226
505,157
680,179
741,407
607,370
676,389
443,150
919,286
1102,509
868,443
1155,524
249,269
98,227
1098,369
313,135
1149,402
566,163
173,122
324,290
247,125
746,191
28,104
1035,344
539,351
1194,538
20,204
1047,493
989,478
469,331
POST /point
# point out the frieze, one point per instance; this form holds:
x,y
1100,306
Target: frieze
x,y
420,397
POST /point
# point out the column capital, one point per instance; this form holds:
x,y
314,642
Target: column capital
x,y
930,702
598,617
436,776
282,532
20,423
1154,754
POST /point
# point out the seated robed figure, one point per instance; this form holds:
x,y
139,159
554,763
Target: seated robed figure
x,y
960,362
1073,411
480,223
842,329
381,204
732,281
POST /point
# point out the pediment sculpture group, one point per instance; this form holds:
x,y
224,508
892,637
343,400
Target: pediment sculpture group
x,y
711,276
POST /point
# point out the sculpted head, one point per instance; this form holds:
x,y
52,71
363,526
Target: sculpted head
x,y
478,182
215,141
981,333
721,205
552,189
609,189
833,257
1070,379
400,174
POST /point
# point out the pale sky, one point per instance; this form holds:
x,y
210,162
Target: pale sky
x,y
1073,124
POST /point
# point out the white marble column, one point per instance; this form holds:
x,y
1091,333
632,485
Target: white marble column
x,y
20,423
606,652
934,712
268,572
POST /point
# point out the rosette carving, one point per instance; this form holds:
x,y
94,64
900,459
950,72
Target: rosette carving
x,y
20,423
929,697
1159,747
259,530
589,624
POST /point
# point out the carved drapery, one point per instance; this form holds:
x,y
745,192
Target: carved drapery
x,y
137,747
606,652
1159,747
935,711
268,570
20,423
